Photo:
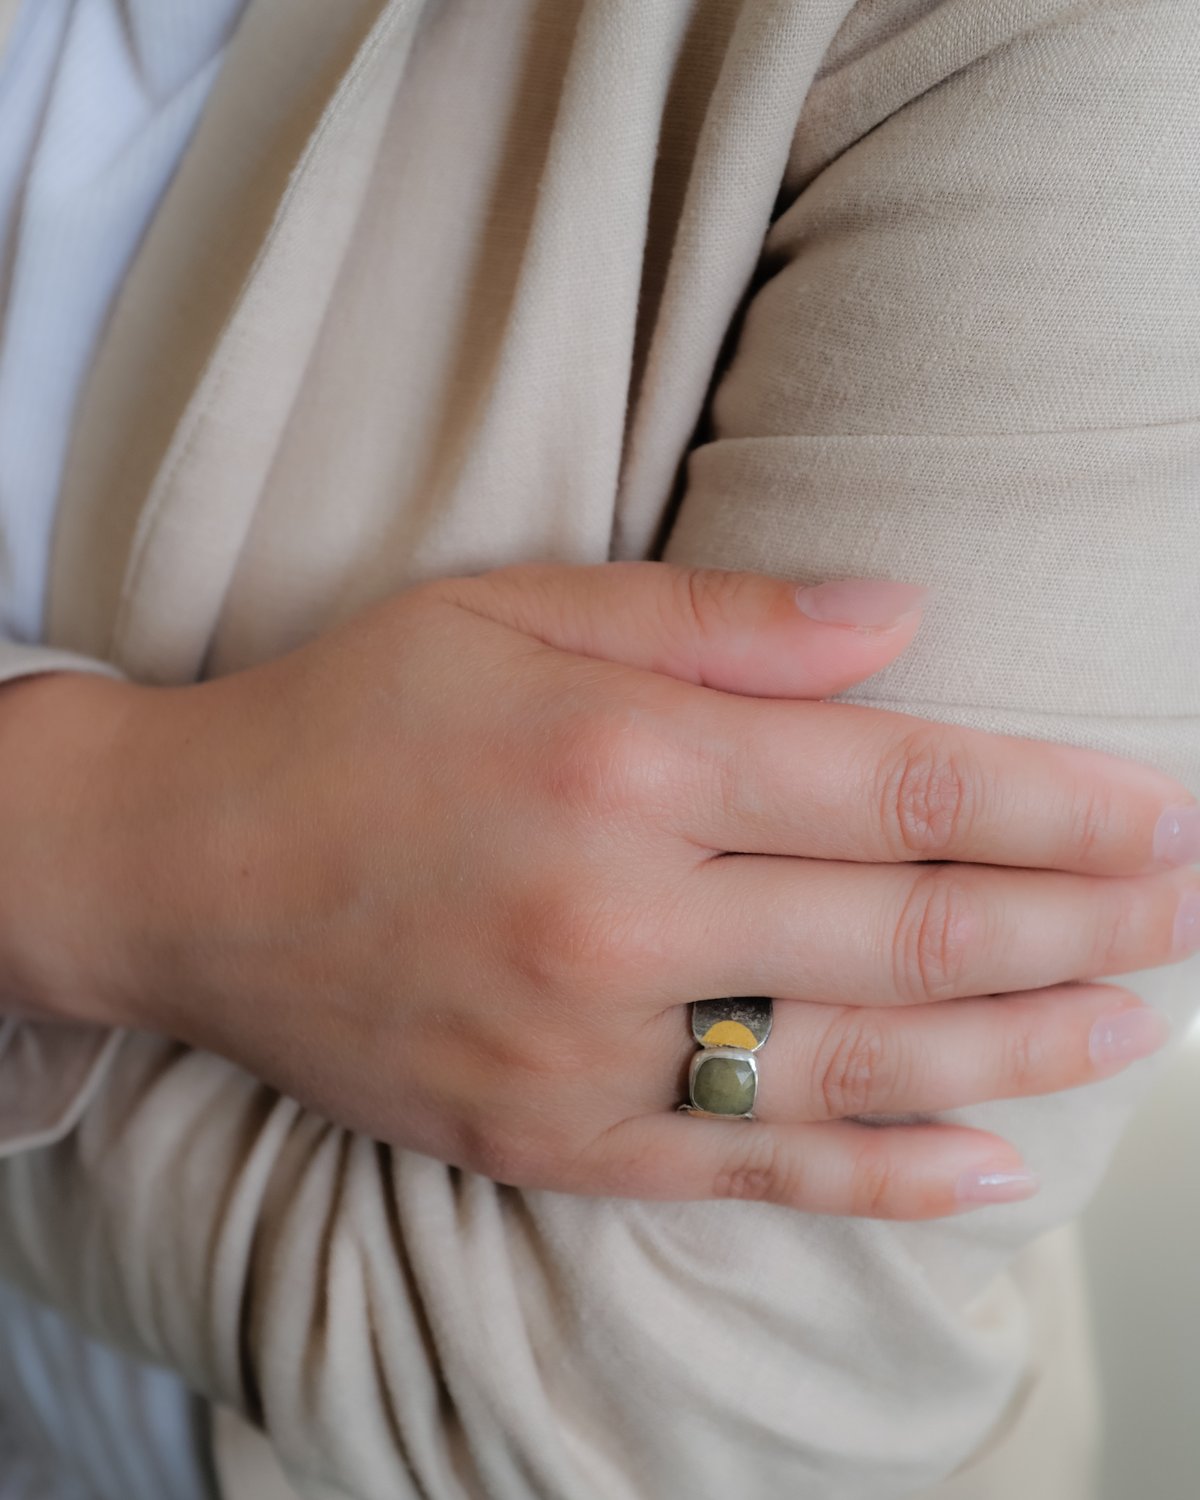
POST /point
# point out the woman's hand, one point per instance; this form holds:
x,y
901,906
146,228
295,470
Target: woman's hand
x,y
451,873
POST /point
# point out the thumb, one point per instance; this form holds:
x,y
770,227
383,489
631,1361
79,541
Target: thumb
x,y
742,632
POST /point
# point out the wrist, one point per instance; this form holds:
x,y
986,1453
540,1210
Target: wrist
x,y
69,827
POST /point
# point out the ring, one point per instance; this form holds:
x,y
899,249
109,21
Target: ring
x,y
723,1077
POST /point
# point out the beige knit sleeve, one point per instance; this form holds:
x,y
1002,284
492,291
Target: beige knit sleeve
x,y
973,359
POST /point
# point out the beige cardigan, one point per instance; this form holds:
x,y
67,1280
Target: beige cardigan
x,y
447,283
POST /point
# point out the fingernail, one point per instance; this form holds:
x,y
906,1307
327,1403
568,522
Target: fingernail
x,y
1187,924
866,603
1177,835
982,1186
1128,1035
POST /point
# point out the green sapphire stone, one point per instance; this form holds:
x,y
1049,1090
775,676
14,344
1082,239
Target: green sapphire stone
x,y
724,1085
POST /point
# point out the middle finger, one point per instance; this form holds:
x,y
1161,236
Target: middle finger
x,y
855,934
843,781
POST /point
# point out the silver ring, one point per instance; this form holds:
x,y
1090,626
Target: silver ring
x,y
723,1076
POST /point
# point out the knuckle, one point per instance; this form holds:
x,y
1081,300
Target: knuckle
x,y
530,1053
875,1191
935,936
706,597
565,942
603,764
1089,822
703,602
545,940
758,1172
850,1067
586,762
1132,927
1118,933
930,793
1028,1061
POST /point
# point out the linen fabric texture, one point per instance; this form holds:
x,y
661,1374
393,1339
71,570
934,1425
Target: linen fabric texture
x,y
902,289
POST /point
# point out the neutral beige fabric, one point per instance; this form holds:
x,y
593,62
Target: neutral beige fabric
x,y
466,308
1044,1447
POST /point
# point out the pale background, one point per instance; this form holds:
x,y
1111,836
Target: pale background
x,y
1142,1238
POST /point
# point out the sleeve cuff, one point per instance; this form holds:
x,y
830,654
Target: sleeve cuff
x,y
19,660
49,1074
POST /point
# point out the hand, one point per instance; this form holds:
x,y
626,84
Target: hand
x,y
451,872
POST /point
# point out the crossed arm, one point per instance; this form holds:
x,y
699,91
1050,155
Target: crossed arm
x,y
975,361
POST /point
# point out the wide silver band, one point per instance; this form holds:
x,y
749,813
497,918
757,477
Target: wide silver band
x,y
723,1076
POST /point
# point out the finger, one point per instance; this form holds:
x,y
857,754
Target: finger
x,y
895,1172
848,934
737,631
823,1064
841,781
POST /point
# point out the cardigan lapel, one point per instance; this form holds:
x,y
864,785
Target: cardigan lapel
x,y
177,434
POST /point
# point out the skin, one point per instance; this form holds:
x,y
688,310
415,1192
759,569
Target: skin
x,y
450,873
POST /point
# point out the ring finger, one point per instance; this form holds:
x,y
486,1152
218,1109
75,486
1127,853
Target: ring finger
x,y
845,1062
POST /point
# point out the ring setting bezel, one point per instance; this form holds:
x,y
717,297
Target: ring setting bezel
x,y
740,1066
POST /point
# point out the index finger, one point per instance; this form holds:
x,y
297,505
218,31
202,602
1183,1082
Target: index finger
x,y
844,781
